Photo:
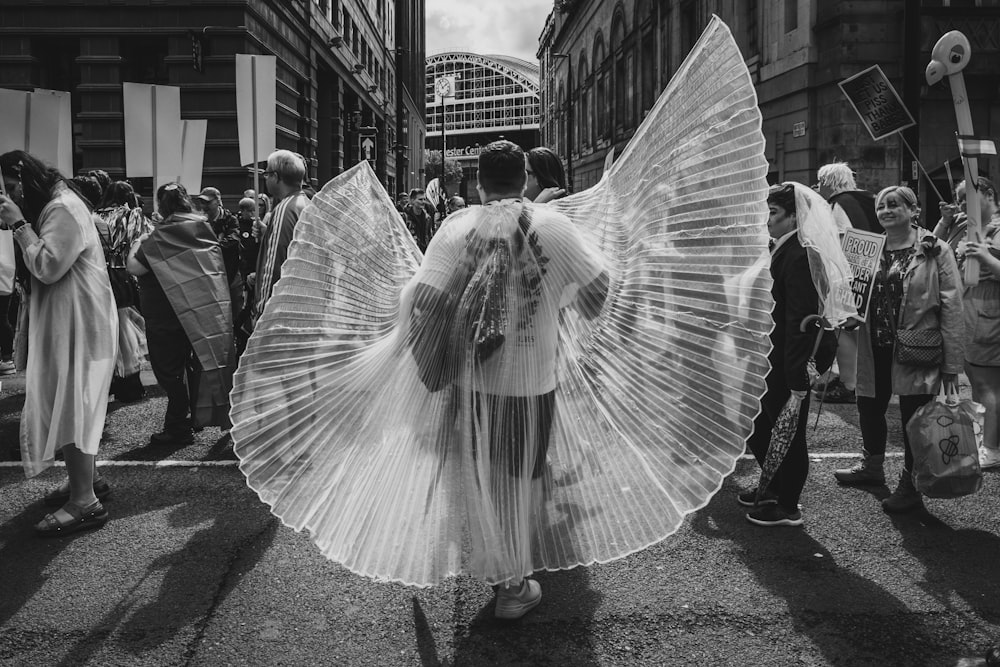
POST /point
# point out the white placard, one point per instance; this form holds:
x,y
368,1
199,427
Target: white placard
x,y
256,91
64,140
192,153
32,122
152,132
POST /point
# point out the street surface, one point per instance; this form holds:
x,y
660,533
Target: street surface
x,y
193,570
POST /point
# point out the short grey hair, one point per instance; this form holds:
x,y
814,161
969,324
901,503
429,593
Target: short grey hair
x,y
287,166
838,176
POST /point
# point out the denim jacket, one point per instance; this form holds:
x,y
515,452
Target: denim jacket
x,y
932,299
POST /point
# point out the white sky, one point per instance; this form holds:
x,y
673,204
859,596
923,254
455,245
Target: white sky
x,y
504,27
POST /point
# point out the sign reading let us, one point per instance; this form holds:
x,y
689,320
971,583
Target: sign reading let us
x,y
876,102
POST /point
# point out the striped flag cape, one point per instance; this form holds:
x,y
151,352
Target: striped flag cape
x,y
971,146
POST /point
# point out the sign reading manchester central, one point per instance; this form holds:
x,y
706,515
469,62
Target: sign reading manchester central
x,y
876,102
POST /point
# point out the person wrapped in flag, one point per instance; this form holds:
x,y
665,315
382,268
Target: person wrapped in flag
x,y
811,283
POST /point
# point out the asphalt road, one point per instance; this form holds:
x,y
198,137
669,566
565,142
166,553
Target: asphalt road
x,y
193,570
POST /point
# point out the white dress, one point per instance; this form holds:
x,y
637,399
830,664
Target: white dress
x,y
72,333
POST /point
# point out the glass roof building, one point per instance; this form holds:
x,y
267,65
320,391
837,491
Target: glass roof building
x,y
494,97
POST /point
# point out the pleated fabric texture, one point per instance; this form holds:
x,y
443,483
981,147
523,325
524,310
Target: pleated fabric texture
x,y
481,409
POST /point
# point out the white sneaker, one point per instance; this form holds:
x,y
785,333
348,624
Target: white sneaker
x,y
989,458
513,604
7,368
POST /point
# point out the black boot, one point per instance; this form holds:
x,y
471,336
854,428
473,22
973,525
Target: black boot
x,y
905,498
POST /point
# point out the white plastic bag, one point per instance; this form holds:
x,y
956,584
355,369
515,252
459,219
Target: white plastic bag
x,y
7,265
943,437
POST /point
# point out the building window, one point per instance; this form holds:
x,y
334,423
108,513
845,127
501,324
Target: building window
x,y
620,78
753,39
601,106
583,131
791,15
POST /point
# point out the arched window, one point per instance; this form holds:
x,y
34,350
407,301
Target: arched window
x,y
648,89
583,130
602,106
620,70
560,147
570,113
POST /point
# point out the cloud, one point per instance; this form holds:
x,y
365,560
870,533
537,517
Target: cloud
x,y
508,28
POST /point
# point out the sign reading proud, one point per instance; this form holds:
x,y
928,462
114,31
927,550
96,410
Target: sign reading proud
x,y
876,102
863,251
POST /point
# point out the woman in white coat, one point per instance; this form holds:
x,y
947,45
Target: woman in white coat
x,y
70,347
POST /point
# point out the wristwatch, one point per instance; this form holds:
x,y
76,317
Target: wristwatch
x,y
18,224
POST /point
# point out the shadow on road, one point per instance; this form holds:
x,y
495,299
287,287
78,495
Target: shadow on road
x,y
205,551
848,618
963,563
557,632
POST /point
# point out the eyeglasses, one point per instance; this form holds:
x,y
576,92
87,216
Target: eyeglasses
x,y
270,172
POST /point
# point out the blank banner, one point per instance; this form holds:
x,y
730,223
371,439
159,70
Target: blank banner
x,y
255,106
152,132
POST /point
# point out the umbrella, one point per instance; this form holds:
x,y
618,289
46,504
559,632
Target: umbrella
x,y
784,427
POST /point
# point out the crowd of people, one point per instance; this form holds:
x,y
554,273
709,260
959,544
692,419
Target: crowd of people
x,y
101,287
189,281
918,293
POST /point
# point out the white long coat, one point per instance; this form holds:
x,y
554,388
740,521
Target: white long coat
x,y
72,333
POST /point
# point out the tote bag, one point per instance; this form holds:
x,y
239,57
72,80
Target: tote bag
x,y
7,262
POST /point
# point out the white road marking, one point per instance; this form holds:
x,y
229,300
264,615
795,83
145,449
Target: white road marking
x,y
233,464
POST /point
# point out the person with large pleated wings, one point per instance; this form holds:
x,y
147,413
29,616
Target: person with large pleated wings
x,y
503,404
485,307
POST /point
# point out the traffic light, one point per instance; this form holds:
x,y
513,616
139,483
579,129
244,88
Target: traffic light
x,y
197,51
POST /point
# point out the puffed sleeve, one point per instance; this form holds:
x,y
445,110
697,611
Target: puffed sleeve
x,y
50,253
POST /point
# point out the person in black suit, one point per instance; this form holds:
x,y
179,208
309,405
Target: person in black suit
x,y
795,298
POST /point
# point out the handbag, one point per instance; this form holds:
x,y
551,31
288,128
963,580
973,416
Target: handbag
x,y
437,341
8,265
944,438
920,347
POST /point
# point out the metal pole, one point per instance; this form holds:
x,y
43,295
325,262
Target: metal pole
x,y
569,123
444,143
253,98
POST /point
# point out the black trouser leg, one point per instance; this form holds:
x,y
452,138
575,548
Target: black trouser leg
x,y
790,478
871,410
169,355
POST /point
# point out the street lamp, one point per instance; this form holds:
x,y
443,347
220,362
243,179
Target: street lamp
x,y
569,113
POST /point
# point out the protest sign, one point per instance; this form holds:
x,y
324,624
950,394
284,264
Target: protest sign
x,y
38,123
256,78
61,113
863,251
192,153
152,128
876,102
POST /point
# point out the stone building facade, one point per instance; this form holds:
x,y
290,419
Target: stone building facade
x,y
603,63
343,65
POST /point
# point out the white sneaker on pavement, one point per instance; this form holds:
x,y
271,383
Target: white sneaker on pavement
x,y
515,603
989,458
7,368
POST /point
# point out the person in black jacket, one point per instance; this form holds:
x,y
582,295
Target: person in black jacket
x,y
227,230
795,298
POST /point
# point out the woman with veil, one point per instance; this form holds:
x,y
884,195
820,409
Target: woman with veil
x,y
811,278
423,416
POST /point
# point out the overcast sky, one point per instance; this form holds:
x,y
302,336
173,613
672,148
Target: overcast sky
x,y
505,27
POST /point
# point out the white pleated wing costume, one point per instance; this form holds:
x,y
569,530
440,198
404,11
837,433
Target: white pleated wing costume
x,y
475,410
